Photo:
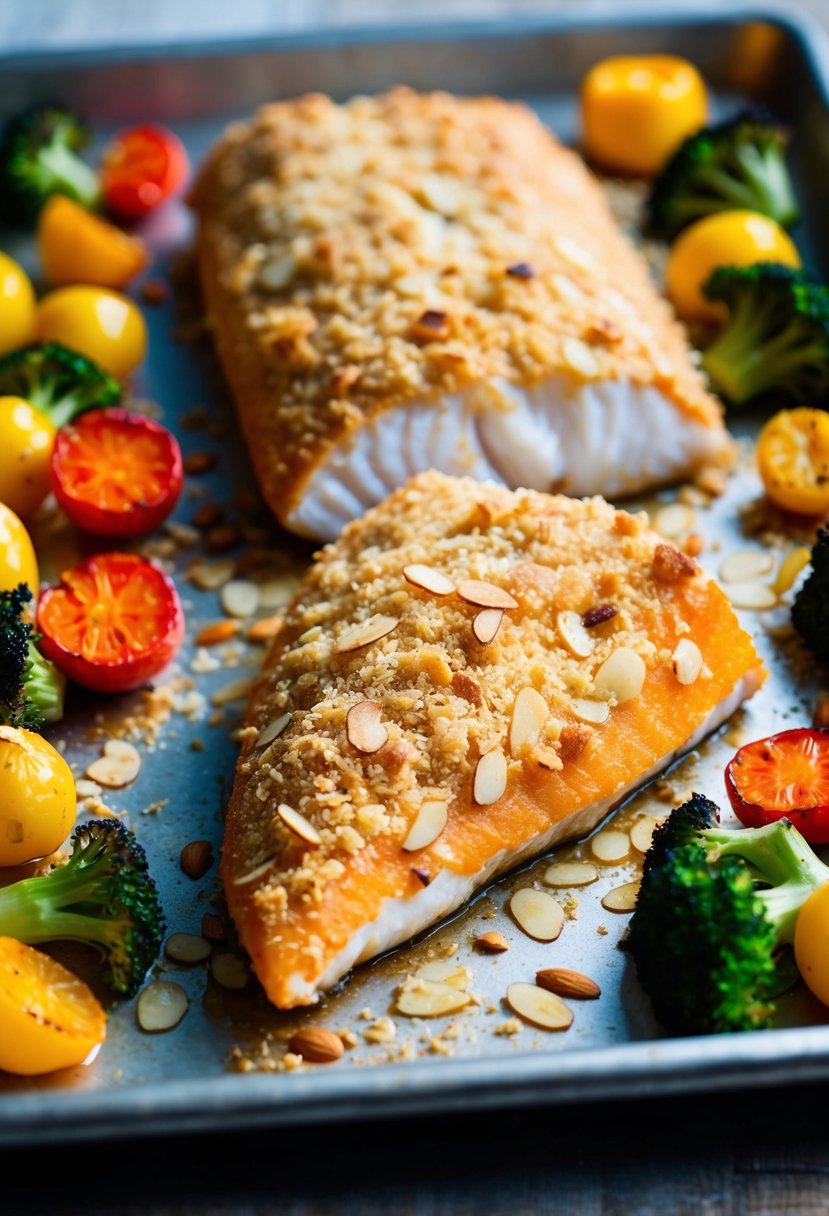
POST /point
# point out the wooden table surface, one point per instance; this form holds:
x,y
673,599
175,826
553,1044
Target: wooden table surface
x,y
743,1154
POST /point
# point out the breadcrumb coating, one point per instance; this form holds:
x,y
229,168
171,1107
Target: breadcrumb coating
x,y
359,257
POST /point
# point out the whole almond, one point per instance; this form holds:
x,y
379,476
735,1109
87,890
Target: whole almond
x,y
564,982
213,927
216,632
492,942
316,1046
196,858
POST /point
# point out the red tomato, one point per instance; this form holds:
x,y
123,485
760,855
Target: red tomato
x,y
111,623
116,474
783,777
141,168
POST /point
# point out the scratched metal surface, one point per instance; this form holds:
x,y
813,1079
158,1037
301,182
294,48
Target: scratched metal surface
x,y
141,1083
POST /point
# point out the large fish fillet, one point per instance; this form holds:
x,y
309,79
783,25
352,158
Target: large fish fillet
x,y
381,695
408,282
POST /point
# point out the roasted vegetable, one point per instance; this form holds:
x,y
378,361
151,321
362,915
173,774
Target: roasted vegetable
x,y
57,381
714,909
39,157
810,610
739,164
776,338
103,896
31,688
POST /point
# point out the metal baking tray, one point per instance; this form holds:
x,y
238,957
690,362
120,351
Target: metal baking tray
x,y
182,1080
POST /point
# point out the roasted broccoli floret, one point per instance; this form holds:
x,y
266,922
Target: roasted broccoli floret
x,y
739,164
776,338
39,157
56,380
714,909
810,610
31,688
103,896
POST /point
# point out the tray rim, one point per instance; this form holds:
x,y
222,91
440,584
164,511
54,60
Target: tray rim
x,y
646,1068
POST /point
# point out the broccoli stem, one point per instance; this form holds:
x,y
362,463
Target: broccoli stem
x,y
44,686
740,363
69,174
37,909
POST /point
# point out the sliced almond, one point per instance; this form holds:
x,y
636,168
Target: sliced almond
x,y
756,596
298,824
210,576
119,765
622,674
161,1006
539,1007
196,858
273,730
230,971
430,822
570,874
239,597
492,942
85,788
490,781
573,634
428,579
419,998
564,982
364,633
622,899
529,713
364,726
687,661
641,834
537,913
485,595
746,566
486,624
216,632
610,846
316,1045
588,710
790,568
674,520
446,971
277,592
187,948
234,690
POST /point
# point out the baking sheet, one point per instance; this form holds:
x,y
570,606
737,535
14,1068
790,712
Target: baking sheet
x,y
185,1079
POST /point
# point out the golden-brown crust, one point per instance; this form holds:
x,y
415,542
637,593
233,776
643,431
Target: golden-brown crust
x,y
398,248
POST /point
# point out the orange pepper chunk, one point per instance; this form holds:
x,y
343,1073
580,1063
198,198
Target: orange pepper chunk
x,y
75,246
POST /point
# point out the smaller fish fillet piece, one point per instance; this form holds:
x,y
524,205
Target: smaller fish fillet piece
x,y
326,793
398,272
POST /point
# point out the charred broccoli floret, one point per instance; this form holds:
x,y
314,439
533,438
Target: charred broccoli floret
x,y
103,896
56,380
776,338
39,157
810,610
31,688
739,164
713,911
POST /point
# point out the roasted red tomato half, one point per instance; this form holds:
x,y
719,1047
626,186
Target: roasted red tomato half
x,y
142,168
111,623
785,776
116,474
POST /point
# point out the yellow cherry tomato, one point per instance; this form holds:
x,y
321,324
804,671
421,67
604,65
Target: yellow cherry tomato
x,y
75,246
17,306
730,238
37,797
101,324
49,1019
25,452
811,942
18,563
793,460
637,109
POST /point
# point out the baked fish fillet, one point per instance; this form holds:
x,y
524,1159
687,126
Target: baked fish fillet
x,y
434,711
409,282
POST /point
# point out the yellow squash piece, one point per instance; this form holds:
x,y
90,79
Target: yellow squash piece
x,y
17,305
101,324
37,797
18,563
75,246
25,453
793,460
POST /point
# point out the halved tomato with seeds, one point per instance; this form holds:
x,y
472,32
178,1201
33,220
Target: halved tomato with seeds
x,y
112,623
785,776
116,473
